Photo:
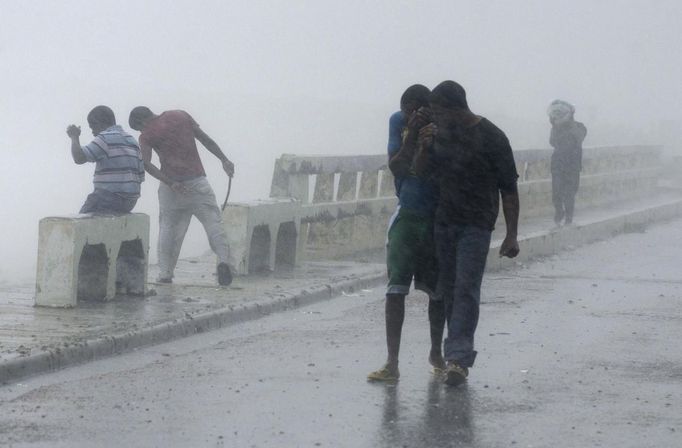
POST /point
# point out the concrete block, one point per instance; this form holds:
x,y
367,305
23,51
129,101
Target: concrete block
x,y
262,233
87,257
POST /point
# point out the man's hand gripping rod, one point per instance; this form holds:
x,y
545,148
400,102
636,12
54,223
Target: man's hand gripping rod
x,y
227,196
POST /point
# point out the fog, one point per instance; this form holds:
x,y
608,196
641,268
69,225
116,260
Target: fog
x,y
310,77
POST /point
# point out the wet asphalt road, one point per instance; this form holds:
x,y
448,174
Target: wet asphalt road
x,y
582,349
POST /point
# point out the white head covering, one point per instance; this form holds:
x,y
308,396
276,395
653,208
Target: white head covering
x,y
560,111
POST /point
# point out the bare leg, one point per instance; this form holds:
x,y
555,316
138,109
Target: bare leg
x,y
395,316
557,199
437,325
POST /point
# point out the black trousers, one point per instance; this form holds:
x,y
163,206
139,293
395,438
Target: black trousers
x,y
565,185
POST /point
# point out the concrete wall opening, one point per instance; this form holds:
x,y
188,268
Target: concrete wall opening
x,y
259,253
93,269
285,247
130,266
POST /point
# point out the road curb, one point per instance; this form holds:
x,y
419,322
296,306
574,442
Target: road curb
x,y
532,246
105,346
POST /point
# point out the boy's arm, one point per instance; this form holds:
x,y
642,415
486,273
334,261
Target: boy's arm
x,y
74,133
404,161
396,125
401,162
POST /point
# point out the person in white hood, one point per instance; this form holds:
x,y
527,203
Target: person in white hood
x,y
566,138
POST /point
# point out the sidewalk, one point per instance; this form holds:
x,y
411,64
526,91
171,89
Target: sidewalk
x,y
35,340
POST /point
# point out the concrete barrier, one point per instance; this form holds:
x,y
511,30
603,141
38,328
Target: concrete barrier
x,y
86,257
610,174
262,234
320,207
327,207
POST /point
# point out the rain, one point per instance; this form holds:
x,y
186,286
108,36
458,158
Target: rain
x,y
580,322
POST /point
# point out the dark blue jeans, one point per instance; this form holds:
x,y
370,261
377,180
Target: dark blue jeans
x,y
105,202
462,253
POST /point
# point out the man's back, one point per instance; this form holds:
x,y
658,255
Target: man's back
x,y
171,134
472,165
119,167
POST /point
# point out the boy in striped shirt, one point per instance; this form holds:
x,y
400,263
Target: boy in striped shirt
x,y
119,169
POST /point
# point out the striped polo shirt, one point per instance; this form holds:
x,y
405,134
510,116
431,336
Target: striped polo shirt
x,y
119,167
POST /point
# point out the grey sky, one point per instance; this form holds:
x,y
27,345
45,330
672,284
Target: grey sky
x,y
267,77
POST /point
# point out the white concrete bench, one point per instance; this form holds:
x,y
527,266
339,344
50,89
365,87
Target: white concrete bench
x,y
262,234
88,257
319,206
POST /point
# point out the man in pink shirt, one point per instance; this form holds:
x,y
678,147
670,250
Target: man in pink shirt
x,y
183,190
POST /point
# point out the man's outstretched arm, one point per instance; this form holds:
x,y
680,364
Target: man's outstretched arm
x,y
214,149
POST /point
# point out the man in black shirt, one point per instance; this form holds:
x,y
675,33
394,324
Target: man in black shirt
x,y
473,163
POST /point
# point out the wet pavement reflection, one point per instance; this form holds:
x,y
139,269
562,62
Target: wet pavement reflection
x,y
442,418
